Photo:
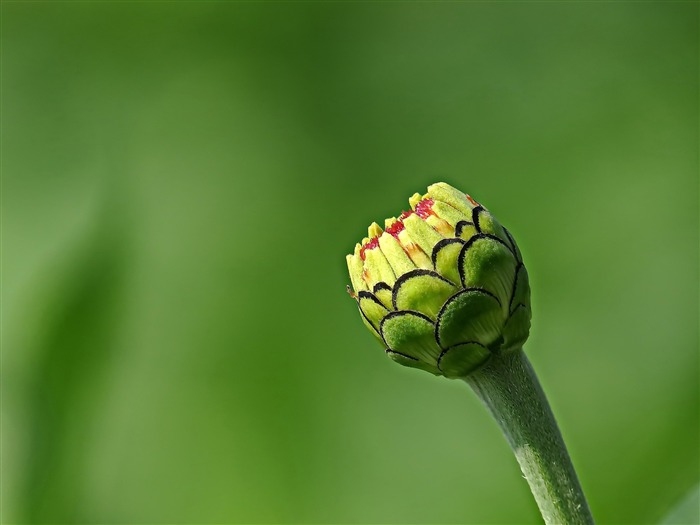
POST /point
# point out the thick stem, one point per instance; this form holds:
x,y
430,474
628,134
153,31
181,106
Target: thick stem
x,y
509,388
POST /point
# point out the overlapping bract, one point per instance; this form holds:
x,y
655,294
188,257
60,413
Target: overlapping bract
x,y
443,286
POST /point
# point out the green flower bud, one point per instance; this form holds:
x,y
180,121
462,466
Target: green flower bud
x,y
443,287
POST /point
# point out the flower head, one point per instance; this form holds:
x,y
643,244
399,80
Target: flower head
x,y
443,286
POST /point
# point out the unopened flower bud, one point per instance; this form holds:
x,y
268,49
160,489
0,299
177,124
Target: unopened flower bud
x,y
443,286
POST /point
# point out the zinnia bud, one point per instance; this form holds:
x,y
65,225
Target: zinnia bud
x,y
443,286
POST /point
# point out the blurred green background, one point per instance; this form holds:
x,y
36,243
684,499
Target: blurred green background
x,y
182,180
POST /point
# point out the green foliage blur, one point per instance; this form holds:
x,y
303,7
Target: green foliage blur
x,y
181,182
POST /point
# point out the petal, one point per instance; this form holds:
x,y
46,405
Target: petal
x,y
460,360
422,233
411,334
442,191
469,316
356,268
395,254
448,213
424,291
441,226
419,258
377,268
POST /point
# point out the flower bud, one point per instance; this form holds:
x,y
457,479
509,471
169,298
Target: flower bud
x,y
443,286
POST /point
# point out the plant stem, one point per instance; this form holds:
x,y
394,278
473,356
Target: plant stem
x,y
510,390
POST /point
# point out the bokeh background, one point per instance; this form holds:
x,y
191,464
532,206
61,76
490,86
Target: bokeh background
x,y
182,180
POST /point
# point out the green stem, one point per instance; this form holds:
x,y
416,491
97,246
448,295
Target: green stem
x,y
509,388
